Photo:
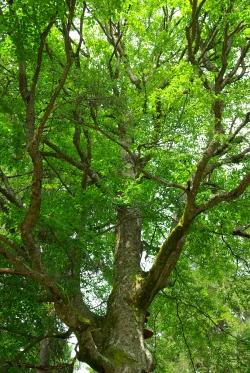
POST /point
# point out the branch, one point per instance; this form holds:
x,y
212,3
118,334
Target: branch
x,y
203,313
162,181
235,158
16,261
9,243
8,71
8,192
89,352
116,42
221,149
235,255
90,175
9,196
34,341
69,57
50,106
69,313
166,260
80,31
171,249
23,85
241,231
59,177
34,137
240,127
226,197
110,137
10,271
201,166
61,155
229,78
43,37
77,140
32,214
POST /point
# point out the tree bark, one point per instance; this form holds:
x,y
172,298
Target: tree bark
x,y
125,320
121,347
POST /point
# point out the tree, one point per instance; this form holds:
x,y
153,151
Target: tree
x,y
124,145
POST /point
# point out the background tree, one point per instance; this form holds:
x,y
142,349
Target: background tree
x,y
124,144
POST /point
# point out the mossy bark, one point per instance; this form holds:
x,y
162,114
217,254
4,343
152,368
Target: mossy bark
x,y
118,344
125,320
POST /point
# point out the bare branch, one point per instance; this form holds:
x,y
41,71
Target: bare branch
x,y
80,32
114,37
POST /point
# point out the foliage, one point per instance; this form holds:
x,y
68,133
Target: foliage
x,y
125,105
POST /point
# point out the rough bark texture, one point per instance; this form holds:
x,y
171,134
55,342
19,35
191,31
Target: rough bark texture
x,y
125,321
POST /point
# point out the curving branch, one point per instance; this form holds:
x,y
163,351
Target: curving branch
x,y
166,259
226,197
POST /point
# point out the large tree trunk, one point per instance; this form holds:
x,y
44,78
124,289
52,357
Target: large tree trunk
x,y
117,345
125,321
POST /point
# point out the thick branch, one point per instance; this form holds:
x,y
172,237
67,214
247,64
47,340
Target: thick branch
x,y
32,213
226,197
165,261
